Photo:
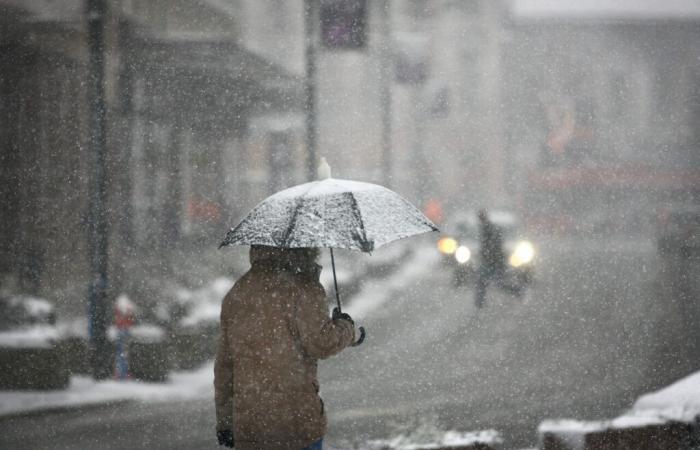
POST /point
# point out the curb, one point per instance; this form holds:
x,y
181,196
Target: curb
x,y
10,415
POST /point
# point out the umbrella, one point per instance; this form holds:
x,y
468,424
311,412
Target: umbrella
x,y
331,213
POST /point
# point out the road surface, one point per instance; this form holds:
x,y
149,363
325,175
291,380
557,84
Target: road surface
x,y
589,337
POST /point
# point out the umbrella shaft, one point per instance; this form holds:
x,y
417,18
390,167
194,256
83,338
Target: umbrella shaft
x,y
335,281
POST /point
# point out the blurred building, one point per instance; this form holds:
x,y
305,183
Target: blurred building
x,y
448,132
425,79
569,114
182,94
602,122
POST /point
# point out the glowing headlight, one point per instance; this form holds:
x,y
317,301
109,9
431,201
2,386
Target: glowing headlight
x,y
447,245
462,254
523,254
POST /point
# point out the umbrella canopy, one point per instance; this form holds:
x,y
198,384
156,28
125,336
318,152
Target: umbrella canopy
x,y
330,213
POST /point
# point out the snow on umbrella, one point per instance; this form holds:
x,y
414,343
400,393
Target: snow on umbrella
x,y
330,213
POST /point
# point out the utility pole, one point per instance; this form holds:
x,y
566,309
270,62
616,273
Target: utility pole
x,y
98,307
421,169
385,98
310,19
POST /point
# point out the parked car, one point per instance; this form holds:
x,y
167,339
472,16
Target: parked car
x,y
459,248
192,322
148,352
31,350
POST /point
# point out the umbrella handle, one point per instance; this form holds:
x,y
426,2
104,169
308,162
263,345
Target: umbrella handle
x,y
337,299
361,339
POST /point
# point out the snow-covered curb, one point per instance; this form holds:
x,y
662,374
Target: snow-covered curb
x,y
83,391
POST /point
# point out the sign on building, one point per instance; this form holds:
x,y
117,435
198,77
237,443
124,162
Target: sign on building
x,y
344,24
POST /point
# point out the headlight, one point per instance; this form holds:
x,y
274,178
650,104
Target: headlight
x,y
462,254
447,245
523,254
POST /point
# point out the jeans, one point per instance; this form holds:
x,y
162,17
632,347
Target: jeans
x,y
318,445
121,371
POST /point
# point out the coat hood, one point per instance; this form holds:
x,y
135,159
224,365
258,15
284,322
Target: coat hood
x,y
296,260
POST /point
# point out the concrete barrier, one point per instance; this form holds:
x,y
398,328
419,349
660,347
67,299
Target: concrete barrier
x,y
669,436
192,347
33,368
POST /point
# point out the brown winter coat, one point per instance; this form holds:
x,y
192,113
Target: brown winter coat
x,y
274,328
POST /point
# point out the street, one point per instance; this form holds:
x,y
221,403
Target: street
x,y
584,342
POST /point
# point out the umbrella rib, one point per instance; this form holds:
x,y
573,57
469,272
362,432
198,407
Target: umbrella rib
x,y
356,208
422,219
292,222
232,232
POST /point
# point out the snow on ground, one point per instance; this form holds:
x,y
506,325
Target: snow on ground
x,y
84,391
373,295
204,304
140,333
32,336
448,439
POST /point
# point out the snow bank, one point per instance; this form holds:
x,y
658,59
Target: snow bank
x,y
84,391
373,295
448,439
605,9
145,334
37,336
632,419
34,306
343,275
204,304
679,401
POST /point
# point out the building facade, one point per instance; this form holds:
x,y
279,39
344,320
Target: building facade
x,y
182,94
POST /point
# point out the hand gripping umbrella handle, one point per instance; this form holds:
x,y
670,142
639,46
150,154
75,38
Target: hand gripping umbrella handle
x,y
361,339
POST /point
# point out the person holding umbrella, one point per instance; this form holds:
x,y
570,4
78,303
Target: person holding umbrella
x,y
274,322
274,329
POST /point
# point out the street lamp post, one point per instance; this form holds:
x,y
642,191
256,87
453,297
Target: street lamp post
x,y
385,90
310,15
98,307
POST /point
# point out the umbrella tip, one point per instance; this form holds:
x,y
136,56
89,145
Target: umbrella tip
x,y
324,169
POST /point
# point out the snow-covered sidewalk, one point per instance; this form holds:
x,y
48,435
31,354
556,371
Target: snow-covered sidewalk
x,y
84,391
